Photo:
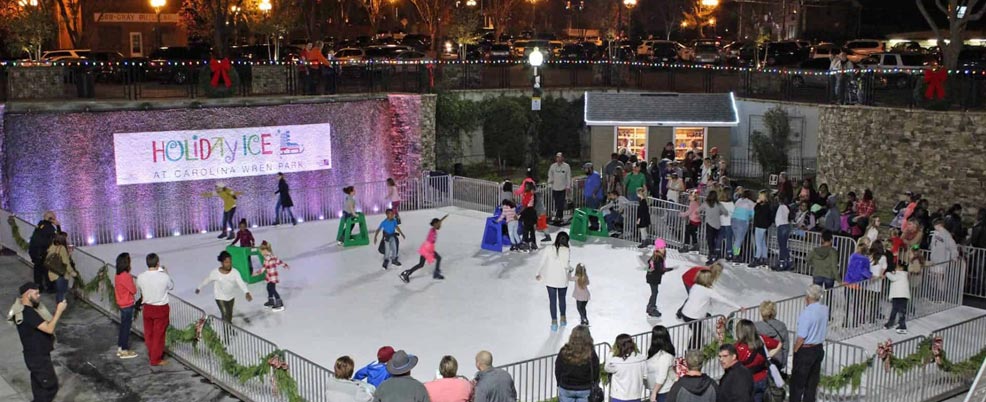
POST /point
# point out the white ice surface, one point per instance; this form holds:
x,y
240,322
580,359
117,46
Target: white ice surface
x,y
339,301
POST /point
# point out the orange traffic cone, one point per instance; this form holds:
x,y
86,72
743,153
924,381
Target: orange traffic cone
x,y
543,222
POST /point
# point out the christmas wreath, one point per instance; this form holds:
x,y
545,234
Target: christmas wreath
x,y
218,79
933,91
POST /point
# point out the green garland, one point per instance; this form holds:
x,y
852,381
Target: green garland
x,y
15,231
852,374
711,350
282,378
100,283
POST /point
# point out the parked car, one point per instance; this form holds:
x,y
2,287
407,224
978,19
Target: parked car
x,y
573,52
646,48
662,51
707,54
555,46
518,48
808,75
740,53
972,57
824,50
350,54
544,46
865,47
908,47
784,53
171,64
384,52
499,51
419,42
264,52
592,49
909,64
62,55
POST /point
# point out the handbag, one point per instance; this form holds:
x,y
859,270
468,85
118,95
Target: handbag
x,y
775,391
596,392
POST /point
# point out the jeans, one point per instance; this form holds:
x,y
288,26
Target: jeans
x,y
126,321
556,298
592,201
614,221
61,288
760,234
662,397
711,235
899,307
514,234
559,197
652,301
783,234
726,234
566,395
806,373
226,309
825,283
272,291
739,230
759,387
277,213
390,248
581,305
228,220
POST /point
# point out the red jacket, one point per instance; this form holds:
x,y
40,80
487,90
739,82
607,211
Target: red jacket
x,y
757,363
125,290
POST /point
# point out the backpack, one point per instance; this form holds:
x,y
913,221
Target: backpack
x,y
53,262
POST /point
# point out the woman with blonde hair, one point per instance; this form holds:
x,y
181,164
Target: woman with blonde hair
x,y
698,306
628,368
341,388
771,327
577,367
451,387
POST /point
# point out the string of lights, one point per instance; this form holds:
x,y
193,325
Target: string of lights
x,y
431,62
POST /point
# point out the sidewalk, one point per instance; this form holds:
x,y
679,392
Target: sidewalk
x,y
85,358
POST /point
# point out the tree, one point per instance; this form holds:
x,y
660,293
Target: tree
x,y
671,13
698,16
501,11
374,11
28,28
431,12
206,18
465,23
770,149
959,14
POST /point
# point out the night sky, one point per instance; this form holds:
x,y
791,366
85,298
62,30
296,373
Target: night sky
x,y
901,16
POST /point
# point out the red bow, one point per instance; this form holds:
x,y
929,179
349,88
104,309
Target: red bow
x,y
721,329
220,69
276,363
936,349
885,351
198,327
936,83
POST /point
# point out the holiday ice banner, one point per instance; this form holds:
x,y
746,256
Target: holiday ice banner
x,y
167,156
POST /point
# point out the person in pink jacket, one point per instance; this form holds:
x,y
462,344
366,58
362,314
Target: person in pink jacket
x,y
126,291
428,253
694,222
451,387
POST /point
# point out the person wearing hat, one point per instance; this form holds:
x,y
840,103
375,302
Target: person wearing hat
x,y
36,327
376,373
401,387
42,237
655,272
593,191
229,207
560,181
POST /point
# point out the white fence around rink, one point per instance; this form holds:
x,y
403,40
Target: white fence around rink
x,y
934,291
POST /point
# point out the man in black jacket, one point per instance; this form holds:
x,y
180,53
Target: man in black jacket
x,y
736,384
41,239
694,386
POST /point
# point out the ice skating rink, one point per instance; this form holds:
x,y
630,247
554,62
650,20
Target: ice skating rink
x,y
339,301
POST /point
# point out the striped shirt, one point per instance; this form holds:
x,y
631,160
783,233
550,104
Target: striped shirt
x,y
508,214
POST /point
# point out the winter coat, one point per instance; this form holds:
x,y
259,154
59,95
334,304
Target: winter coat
x,y
900,287
576,377
763,216
284,193
713,215
833,221
374,373
858,269
593,186
643,214
41,238
978,237
555,267
695,389
824,262
943,247
736,385
627,379
494,385
124,289
559,176
655,272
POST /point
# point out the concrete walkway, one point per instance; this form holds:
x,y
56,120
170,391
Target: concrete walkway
x,y
85,358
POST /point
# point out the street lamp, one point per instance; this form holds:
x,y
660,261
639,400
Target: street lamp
x,y
533,15
157,5
28,3
710,3
630,4
536,59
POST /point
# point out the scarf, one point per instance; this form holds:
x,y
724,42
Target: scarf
x,y
16,313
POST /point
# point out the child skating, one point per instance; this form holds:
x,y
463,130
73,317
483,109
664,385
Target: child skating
x,y
271,262
428,254
245,238
508,213
391,228
581,293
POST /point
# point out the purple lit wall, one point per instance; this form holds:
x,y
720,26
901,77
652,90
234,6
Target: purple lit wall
x,y
65,161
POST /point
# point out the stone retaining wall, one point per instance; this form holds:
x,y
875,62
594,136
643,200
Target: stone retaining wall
x,y
941,155
35,82
268,80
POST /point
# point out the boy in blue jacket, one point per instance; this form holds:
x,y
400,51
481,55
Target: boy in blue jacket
x,y
376,373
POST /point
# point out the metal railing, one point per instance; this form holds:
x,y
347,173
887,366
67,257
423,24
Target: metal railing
x,y
535,379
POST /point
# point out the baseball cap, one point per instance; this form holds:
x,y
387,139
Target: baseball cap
x,y
28,286
384,354
558,155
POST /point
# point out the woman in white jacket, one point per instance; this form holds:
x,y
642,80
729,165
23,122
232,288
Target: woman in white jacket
x,y
900,295
628,368
878,266
555,270
698,304
661,374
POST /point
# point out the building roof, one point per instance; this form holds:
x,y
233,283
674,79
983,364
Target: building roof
x,y
660,109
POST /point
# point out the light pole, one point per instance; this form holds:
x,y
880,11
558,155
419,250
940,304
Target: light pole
x,y
630,4
533,16
536,59
265,8
158,5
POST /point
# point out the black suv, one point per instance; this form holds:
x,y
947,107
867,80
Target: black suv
x,y
174,65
